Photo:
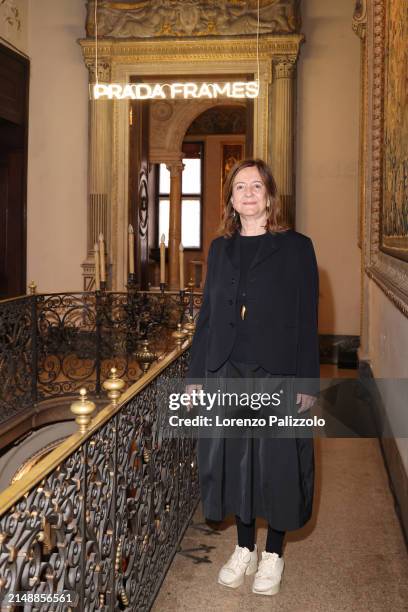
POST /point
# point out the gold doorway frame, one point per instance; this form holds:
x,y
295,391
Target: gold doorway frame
x,y
118,61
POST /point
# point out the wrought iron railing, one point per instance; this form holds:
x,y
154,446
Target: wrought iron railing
x,y
102,514
52,344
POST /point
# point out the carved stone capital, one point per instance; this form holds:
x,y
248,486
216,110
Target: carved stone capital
x,y
175,168
359,23
104,69
284,67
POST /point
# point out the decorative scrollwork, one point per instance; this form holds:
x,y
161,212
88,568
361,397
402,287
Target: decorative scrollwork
x,y
52,345
41,541
17,371
106,522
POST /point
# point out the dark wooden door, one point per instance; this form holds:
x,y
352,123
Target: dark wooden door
x,y
14,76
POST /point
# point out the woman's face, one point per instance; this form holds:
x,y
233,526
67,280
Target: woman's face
x,y
249,197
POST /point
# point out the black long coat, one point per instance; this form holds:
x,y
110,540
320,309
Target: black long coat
x,y
282,304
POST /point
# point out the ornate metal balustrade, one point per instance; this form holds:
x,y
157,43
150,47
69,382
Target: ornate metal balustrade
x,y
17,356
51,345
102,515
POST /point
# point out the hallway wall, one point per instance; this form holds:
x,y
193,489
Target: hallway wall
x,y
388,356
327,151
58,141
327,157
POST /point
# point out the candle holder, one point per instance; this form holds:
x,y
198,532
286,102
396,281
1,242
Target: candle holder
x,y
162,287
134,310
190,286
103,286
182,293
189,327
131,282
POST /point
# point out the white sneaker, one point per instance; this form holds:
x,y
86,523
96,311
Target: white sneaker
x,y
241,562
268,577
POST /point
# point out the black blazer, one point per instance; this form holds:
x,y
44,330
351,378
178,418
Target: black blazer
x,y
282,307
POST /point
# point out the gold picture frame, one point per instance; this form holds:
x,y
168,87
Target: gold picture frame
x,y
385,259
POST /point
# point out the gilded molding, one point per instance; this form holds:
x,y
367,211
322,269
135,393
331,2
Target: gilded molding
x,y
285,66
389,273
359,23
201,50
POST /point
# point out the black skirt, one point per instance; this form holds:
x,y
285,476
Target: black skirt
x,y
251,477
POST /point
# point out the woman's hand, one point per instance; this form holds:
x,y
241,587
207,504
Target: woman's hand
x,y
306,401
188,389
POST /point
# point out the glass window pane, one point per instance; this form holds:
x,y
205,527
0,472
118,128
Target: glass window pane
x,y
164,186
192,176
164,215
190,223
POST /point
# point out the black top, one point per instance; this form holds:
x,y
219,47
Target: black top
x,y
242,349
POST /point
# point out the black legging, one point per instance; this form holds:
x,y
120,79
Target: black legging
x,y
246,537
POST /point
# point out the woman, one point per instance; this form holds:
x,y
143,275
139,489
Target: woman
x,y
258,320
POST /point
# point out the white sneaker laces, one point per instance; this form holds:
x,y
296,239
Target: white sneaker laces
x,y
236,560
266,567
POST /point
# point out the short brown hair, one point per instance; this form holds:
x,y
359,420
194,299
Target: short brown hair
x,y
231,223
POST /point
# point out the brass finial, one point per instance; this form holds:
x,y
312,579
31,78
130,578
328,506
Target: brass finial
x,y
32,288
83,410
114,386
189,327
145,356
179,335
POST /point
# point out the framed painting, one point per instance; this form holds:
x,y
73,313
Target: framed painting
x,y
231,154
386,202
394,210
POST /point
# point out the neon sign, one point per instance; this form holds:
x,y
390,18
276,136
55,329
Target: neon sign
x,y
151,91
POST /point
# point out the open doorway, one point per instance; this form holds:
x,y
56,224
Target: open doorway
x,y
14,79
207,144
226,136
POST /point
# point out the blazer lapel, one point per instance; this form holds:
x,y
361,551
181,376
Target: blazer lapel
x,y
269,245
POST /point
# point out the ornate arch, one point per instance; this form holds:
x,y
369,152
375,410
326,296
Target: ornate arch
x,y
176,124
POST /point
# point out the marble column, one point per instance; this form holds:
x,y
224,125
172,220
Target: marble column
x,y
282,153
175,169
99,171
